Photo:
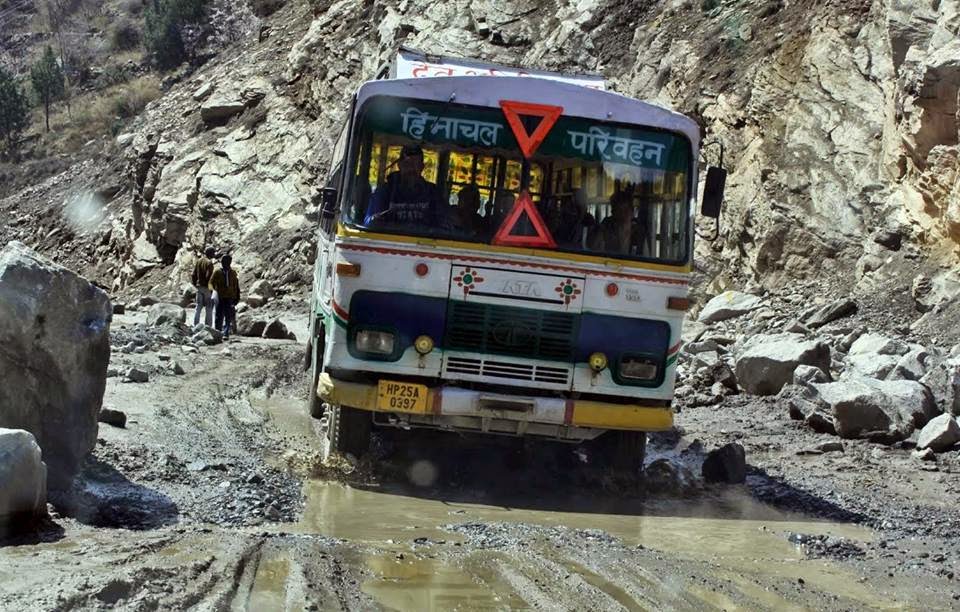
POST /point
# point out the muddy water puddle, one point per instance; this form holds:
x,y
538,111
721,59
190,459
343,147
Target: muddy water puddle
x,y
743,542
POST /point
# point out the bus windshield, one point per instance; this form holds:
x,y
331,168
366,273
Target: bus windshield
x,y
443,170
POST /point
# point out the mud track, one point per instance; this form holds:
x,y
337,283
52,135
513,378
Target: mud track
x,y
213,498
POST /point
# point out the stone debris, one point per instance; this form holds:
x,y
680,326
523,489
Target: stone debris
x,y
940,434
668,478
162,314
831,312
728,305
55,330
117,418
137,375
885,411
250,327
206,335
277,330
727,464
23,480
177,369
765,363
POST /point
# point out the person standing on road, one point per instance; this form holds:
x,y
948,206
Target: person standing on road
x,y
202,272
226,288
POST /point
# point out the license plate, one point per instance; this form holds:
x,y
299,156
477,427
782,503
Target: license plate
x,y
401,397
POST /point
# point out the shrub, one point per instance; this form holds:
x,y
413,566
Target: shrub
x,y
14,111
124,35
164,25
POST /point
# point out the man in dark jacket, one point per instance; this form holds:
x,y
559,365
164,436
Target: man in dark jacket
x,y
407,199
226,288
202,272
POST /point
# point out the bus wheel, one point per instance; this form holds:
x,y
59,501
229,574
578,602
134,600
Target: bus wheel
x,y
314,403
348,431
629,449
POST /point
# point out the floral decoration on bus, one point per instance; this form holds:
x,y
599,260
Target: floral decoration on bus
x,y
468,279
568,290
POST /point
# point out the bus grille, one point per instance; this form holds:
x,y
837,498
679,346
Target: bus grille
x,y
507,370
516,332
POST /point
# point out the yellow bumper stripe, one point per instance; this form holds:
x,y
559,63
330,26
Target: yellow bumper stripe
x,y
585,413
616,416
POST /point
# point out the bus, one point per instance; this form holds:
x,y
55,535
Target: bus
x,y
506,252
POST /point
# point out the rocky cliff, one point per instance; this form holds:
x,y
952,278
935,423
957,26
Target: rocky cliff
x,y
839,121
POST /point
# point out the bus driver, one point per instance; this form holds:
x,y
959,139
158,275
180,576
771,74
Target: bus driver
x,y
406,198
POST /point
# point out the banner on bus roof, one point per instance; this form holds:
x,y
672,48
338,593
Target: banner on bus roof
x,y
411,65
486,128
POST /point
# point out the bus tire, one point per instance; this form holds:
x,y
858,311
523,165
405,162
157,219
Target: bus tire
x,y
314,403
348,431
629,449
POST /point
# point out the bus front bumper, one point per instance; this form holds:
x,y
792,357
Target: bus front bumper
x,y
466,404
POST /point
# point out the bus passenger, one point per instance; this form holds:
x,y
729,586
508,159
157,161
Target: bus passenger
x,y
618,233
407,198
575,223
468,219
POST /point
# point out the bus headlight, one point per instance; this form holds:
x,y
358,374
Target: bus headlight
x,y
638,368
375,342
597,361
423,344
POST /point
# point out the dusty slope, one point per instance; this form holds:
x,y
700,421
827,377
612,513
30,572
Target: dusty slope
x,y
839,120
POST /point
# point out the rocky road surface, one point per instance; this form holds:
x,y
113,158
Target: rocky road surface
x,y
213,497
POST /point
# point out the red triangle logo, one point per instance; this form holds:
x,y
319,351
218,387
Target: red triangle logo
x,y
529,143
505,236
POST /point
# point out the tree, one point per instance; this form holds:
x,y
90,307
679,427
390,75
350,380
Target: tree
x,y
163,25
47,79
14,114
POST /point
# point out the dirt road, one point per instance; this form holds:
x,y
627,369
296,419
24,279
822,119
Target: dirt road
x,y
213,497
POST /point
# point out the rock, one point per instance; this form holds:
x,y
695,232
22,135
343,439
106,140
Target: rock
x,y
834,446
291,336
203,91
809,374
178,369
255,301
728,305
874,355
188,295
220,108
726,464
137,376
796,327
912,366
119,308
262,288
664,476
924,298
161,314
831,312
206,335
23,480
889,238
821,423
767,362
147,301
275,330
705,346
939,434
886,411
163,357
250,327
926,454
55,334
117,418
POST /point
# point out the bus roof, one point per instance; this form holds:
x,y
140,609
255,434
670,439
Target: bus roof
x,y
414,64
577,101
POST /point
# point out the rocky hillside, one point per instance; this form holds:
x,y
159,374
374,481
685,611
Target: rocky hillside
x,y
839,120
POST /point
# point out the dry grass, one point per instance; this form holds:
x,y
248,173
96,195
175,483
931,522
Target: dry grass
x,y
98,114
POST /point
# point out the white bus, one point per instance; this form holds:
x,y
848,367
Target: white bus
x,y
505,252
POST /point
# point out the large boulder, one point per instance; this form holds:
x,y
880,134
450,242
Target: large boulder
x,y
726,464
864,407
276,330
831,312
944,382
874,355
728,305
162,314
250,327
23,478
55,339
765,363
939,434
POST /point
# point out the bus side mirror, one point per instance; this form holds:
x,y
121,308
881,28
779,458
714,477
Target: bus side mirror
x,y
328,203
713,192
